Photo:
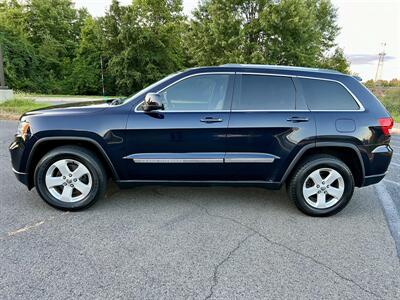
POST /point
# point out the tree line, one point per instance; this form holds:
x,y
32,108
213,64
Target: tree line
x,y
50,46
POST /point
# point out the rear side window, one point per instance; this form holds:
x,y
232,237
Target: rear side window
x,y
327,95
260,92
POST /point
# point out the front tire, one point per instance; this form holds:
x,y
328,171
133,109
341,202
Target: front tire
x,y
70,178
321,186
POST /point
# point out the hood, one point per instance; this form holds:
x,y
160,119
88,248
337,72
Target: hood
x,y
72,108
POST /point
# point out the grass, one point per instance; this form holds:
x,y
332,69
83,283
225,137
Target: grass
x,y
12,109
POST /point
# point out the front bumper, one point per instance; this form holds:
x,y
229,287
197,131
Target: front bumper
x,y
22,177
19,158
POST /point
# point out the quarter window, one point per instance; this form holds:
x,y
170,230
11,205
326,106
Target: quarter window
x,y
261,92
327,95
202,93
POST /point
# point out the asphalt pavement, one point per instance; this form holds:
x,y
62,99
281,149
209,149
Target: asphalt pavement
x,y
197,243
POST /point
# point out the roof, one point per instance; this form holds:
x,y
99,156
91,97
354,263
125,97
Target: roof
x,y
284,68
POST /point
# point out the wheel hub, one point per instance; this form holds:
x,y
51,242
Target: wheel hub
x,y
323,188
68,180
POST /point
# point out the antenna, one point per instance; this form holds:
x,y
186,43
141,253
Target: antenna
x,y
379,69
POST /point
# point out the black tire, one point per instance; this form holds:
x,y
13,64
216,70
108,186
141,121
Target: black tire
x,y
83,156
309,165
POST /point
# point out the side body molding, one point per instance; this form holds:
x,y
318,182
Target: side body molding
x,y
202,157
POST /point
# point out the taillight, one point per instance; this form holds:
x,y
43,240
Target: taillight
x,y
386,125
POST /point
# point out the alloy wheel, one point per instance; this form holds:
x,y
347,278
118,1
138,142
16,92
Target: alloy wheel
x,y
68,180
323,188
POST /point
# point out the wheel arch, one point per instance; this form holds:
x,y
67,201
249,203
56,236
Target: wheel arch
x,y
347,152
46,144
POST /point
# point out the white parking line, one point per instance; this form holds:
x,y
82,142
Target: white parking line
x,y
392,216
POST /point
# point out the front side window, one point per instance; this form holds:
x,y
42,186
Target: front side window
x,y
327,95
262,92
197,93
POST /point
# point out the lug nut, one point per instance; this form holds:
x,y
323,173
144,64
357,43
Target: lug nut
x,y
70,175
71,185
317,185
64,177
65,183
323,182
74,179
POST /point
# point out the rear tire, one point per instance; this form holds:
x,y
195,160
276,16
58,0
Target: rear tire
x,y
321,186
70,178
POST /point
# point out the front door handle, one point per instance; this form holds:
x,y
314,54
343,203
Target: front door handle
x,y
297,119
210,120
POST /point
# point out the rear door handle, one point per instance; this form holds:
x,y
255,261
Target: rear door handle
x,y
297,119
210,120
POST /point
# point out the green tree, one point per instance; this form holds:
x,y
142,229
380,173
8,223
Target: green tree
x,y
143,42
85,77
20,59
289,32
53,28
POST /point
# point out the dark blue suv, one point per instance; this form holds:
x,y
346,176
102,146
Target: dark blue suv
x,y
320,132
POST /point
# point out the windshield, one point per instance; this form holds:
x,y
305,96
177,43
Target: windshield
x,y
151,86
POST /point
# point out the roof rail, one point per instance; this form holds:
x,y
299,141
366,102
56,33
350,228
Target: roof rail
x,y
281,67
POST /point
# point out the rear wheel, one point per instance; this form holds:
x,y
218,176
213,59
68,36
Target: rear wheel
x,y
321,186
70,178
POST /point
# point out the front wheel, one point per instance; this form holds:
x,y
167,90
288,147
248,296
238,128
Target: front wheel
x,y
321,186
70,178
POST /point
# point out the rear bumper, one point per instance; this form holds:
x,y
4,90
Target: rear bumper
x,y
372,179
376,160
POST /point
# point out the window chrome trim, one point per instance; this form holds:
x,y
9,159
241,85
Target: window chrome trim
x,y
176,82
361,107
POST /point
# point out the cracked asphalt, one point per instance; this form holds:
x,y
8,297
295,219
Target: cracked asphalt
x,y
196,243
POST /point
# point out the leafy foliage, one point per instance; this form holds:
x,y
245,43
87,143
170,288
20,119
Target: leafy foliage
x,y
51,47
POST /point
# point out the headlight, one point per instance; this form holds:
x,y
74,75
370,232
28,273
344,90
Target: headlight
x,y
24,130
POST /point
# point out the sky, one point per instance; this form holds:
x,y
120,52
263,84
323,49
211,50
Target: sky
x,y
365,26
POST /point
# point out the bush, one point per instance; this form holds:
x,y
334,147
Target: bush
x,y
391,100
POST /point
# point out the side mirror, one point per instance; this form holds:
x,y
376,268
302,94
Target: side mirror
x,y
152,101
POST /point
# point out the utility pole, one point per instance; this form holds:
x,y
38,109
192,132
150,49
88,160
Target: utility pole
x,y
379,69
102,74
2,78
